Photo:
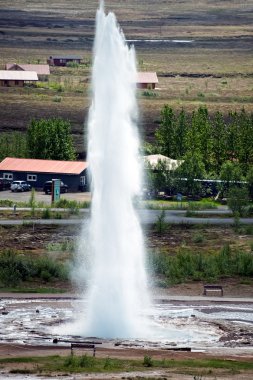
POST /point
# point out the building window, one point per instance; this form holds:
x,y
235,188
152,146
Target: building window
x,y
16,82
8,176
32,177
82,180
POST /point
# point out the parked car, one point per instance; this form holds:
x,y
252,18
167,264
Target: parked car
x,y
47,188
5,184
20,186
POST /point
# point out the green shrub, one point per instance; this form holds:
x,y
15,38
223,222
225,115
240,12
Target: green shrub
x,y
13,268
46,213
32,202
190,213
161,225
6,203
149,94
248,230
57,99
56,86
16,268
238,200
72,64
147,361
198,238
86,361
71,361
187,265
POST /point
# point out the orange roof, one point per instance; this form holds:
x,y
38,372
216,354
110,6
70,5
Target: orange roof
x,y
42,166
146,77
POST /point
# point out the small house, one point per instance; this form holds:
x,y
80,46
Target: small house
x,y
17,78
42,70
63,60
147,80
37,172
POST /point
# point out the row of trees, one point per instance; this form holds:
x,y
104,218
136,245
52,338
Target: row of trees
x,y
212,140
183,179
44,139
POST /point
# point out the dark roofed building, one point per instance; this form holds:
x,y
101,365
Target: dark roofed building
x,y
37,172
147,80
63,60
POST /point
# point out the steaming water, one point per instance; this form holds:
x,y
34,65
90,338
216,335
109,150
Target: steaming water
x,y
117,293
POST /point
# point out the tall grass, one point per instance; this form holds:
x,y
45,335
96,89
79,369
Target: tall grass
x,y
71,204
188,265
16,268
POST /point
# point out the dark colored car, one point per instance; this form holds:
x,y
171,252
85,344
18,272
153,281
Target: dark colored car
x,y
20,186
5,184
47,188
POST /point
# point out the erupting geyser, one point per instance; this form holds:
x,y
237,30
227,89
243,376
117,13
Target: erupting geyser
x,y
117,291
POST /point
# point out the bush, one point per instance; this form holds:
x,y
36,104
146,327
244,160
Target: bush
x,y
187,265
6,203
86,361
15,268
198,238
57,99
72,64
46,213
147,361
160,225
238,200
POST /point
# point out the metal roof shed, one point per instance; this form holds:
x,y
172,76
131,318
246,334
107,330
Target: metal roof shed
x,y
14,78
147,80
41,70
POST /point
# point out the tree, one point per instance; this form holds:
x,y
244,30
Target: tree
x,y
12,145
192,168
203,126
159,178
245,122
238,200
219,154
249,179
180,135
230,174
233,132
50,139
165,134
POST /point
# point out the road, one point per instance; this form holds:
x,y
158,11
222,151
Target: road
x,y
145,216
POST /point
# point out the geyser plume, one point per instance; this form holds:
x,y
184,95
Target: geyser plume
x,y
117,293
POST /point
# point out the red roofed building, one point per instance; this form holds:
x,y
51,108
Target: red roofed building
x,y
37,172
147,80
42,70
